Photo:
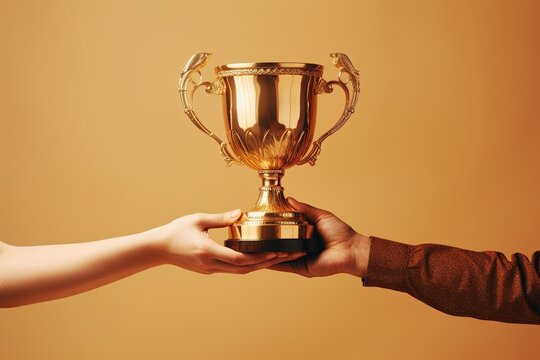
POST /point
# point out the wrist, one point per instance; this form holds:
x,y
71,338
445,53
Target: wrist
x,y
360,252
154,243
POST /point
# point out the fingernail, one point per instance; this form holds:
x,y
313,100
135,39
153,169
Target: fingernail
x,y
282,254
270,256
297,255
235,213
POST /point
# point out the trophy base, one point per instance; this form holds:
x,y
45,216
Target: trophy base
x,y
292,235
275,245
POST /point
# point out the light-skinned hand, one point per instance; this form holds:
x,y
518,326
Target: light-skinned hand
x,y
186,243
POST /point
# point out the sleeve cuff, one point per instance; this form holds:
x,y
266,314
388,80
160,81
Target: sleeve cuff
x,y
387,264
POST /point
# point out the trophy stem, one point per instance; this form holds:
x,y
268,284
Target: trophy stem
x,y
271,197
272,224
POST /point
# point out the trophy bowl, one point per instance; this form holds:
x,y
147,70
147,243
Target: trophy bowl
x,y
270,116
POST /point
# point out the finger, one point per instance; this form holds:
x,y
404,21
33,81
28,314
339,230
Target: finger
x,y
299,266
236,258
220,266
313,214
208,221
285,267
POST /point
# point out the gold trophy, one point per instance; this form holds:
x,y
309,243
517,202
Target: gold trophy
x,y
270,114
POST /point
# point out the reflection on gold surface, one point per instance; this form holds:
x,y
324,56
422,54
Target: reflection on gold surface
x,y
270,116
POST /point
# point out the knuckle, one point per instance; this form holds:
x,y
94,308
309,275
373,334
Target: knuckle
x,y
220,217
324,216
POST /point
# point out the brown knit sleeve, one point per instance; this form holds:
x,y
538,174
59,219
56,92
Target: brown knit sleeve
x,y
484,285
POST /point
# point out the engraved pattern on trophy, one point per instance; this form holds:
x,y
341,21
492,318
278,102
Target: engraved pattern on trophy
x,y
269,71
273,152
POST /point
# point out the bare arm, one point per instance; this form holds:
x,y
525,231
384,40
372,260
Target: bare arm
x,y
38,273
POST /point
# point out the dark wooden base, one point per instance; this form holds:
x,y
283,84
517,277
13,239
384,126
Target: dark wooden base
x,y
282,245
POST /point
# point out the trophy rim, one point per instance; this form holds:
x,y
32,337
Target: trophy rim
x,y
270,65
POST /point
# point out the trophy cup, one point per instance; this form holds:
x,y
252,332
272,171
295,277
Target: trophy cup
x,y
270,114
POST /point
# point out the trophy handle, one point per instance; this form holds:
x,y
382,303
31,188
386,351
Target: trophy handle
x,y
343,63
193,66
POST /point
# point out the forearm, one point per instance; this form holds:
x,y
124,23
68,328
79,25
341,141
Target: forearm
x,y
39,273
460,282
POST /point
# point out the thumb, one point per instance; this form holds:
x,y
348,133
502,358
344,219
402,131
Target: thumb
x,y
313,214
208,221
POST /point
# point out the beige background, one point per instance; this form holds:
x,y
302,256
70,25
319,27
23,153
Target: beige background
x,y
444,147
